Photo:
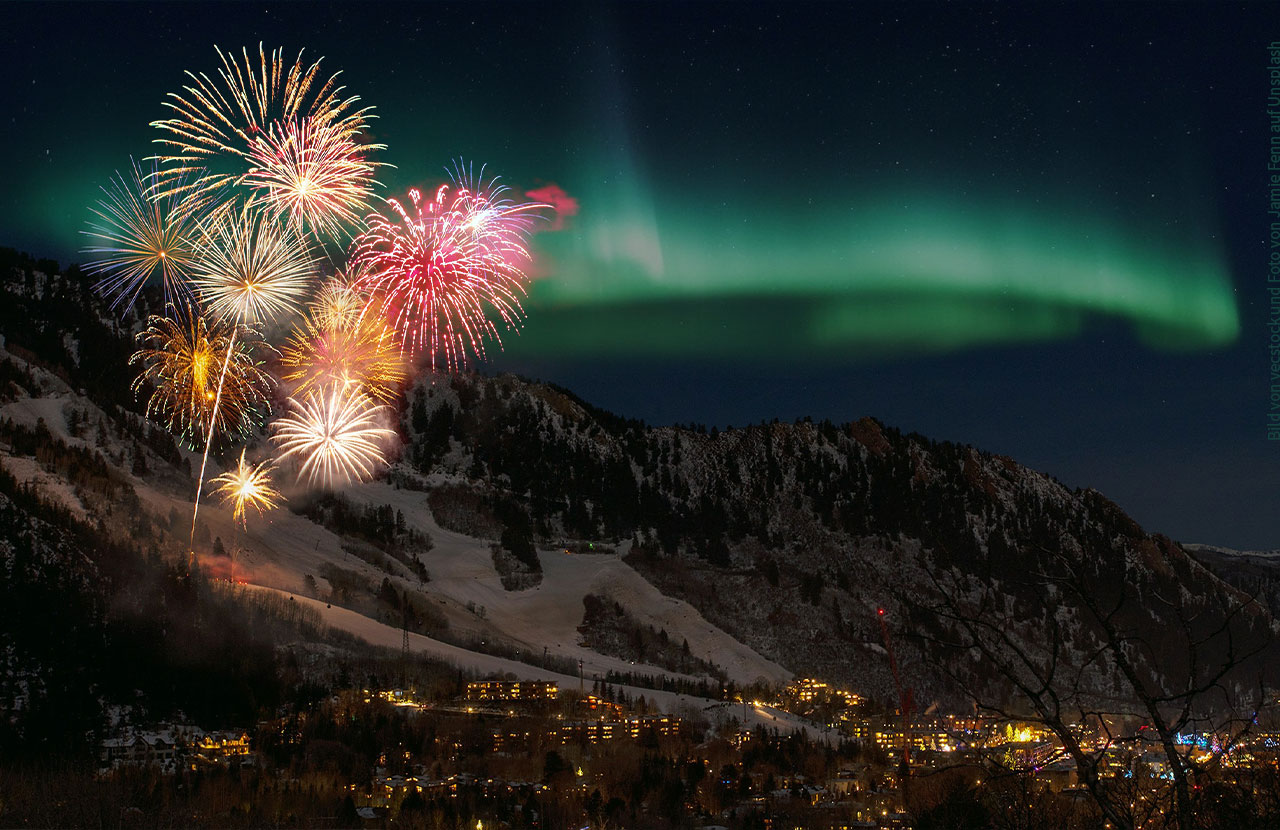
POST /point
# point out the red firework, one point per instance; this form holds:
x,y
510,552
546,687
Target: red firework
x,y
446,273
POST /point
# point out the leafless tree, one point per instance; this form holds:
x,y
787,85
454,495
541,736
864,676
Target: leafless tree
x,y
1107,653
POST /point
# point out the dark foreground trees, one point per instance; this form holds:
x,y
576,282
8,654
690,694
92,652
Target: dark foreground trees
x,y
1147,670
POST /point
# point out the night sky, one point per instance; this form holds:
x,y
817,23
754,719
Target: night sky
x,y
1038,229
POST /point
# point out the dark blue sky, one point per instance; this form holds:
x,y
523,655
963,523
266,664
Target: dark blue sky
x,y
776,160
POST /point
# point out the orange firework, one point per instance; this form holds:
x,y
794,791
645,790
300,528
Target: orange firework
x,y
336,345
184,357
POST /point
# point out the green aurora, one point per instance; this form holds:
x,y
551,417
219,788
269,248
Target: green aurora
x,y
899,276
718,237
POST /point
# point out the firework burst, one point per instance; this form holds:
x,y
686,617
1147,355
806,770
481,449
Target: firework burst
x,y
216,122
337,304
335,433
312,174
246,486
138,238
184,356
250,267
438,271
337,345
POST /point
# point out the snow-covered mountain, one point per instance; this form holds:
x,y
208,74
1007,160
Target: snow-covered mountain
x,y
1255,572
760,552
1197,548
791,537
94,456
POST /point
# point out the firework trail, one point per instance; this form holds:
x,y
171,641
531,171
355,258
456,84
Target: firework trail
x,y
139,238
337,345
184,355
312,175
336,434
435,272
249,268
247,486
217,122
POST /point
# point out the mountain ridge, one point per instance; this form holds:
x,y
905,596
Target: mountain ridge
x,y
784,532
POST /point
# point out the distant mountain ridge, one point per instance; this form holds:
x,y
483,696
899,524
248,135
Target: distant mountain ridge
x,y
1255,572
1196,547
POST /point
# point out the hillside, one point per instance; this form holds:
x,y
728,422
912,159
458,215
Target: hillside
x,y
102,463
791,536
767,549
1256,573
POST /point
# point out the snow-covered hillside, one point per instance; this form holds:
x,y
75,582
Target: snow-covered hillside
x,y
279,550
549,614
1251,554
768,549
380,634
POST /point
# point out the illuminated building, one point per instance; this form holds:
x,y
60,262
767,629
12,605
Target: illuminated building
x,y
483,690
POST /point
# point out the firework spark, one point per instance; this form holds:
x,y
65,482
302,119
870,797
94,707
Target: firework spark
x,y
336,434
313,175
184,356
247,485
138,239
436,272
216,123
336,345
250,267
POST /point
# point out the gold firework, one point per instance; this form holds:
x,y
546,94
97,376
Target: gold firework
x,y
247,486
184,357
250,267
337,304
138,239
336,345
216,122
335,433
313,175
